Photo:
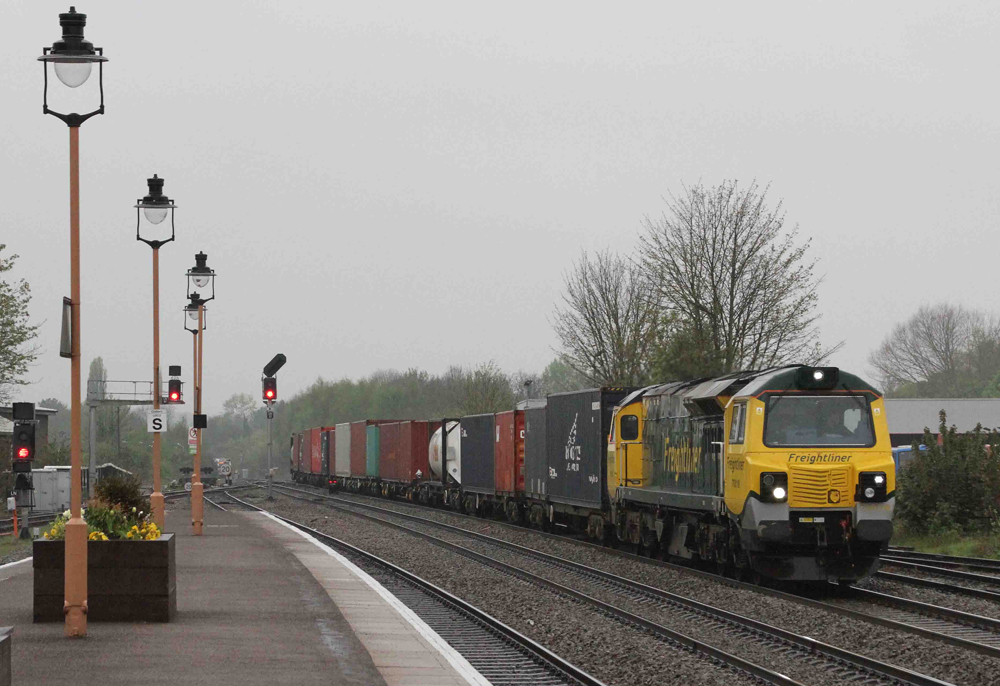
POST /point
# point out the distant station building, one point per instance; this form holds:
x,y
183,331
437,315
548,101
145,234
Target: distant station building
x,y
908,417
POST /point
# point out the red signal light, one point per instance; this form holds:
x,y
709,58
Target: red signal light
x,y
270,393
174,396
23,453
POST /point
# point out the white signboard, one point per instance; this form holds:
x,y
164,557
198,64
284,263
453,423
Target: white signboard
x,y
156,421
225,469
192,440
246,473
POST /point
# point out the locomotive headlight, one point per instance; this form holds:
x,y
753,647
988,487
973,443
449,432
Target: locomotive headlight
x,y
773,487
871,487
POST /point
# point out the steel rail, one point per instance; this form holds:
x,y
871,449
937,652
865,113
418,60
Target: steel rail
x,y
939,585
910,616
943,571
761,630
534,651
971,562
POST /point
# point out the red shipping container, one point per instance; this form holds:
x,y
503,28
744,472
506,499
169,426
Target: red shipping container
x,y
508,454
414,439
315,448
388,448
359,444
313,463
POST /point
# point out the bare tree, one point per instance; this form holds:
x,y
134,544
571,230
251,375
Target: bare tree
x,y
608,320
732,280
942,350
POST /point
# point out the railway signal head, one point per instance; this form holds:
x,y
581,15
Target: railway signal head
x,y
24,442
270,390
174,390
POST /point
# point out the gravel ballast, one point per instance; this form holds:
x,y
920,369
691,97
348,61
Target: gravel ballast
x,y
904,649
571,630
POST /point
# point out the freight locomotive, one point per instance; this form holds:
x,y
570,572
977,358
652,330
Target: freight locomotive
x,y
785,473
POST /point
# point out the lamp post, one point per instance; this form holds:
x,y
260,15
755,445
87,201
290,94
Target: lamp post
x,y
73,59
154,207
202,278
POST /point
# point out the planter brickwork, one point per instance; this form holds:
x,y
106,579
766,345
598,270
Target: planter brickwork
x,y
127,581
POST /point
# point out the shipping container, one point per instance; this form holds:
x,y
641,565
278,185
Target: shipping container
x,y
371,452
359,442
294,459
577,425
509,452
536,466
342,452
478,439
388,455
324,452
315,462
414,439
303,437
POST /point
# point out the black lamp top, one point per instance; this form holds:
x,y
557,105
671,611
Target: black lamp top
x,y
201,264
73,44
156,198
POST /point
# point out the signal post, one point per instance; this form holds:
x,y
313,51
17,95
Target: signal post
x,y
270,393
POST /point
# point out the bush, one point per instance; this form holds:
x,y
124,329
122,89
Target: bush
x,y
125,492
952,488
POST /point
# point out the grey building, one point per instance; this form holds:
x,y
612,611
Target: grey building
x,y
908,417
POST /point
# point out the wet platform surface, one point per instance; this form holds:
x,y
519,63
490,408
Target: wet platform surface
x,y
257,603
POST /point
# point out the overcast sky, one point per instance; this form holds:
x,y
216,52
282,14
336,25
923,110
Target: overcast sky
x,y
394,185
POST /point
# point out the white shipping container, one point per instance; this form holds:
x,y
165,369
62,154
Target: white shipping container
x,y
51,488
342,450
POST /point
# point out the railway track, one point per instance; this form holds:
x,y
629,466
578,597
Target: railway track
x,y
847,666
7,525
983,564
498,652
955,589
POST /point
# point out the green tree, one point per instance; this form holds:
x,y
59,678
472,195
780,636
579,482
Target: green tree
x,y
16,335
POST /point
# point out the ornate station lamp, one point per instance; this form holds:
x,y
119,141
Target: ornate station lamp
x,y
155,206
73,59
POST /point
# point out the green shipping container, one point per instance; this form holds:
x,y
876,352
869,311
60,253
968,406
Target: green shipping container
x,y
371,462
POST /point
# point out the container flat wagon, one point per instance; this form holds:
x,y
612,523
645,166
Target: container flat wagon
x,y
783,473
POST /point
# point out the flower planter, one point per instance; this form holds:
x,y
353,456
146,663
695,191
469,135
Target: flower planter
x,y
127,581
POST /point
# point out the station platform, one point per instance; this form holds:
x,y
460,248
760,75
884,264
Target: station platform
x,y
258,602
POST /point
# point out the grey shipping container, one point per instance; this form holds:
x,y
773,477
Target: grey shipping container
x,y
477,453
342,450
536,468
577,425
324,453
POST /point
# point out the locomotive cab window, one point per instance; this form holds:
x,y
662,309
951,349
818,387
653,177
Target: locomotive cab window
x,y
630,427
738,427
816,421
